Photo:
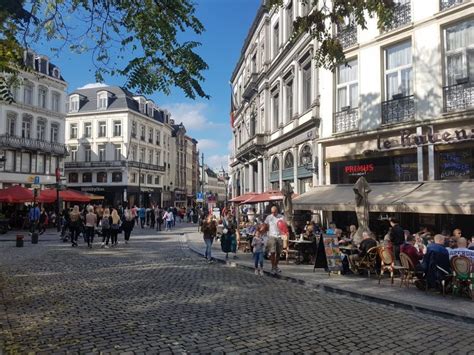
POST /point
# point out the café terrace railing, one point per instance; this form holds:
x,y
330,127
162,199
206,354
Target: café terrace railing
x,y
398,109
9,141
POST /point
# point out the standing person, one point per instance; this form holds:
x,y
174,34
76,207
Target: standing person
x,y
105,223
114,227
159,218
91,222
258,245
275,243
127,225
43,221
152,217
75,225
135,214
209,230
34,217
229,237
169,218
141,215
397,236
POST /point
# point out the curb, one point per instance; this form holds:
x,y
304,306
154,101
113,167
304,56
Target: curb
x,y
352,294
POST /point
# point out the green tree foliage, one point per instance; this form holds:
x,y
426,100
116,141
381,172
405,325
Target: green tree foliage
x,y
325,16
137,39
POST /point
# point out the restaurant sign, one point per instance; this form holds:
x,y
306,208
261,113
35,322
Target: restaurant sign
x,y
409,139
359,169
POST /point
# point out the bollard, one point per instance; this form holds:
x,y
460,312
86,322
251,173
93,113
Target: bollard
x,y
34,238
19,240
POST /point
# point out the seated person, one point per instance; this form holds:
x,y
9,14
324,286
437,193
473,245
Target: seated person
x,y
462,250
471,245
427,271
409,248
450,243
367,242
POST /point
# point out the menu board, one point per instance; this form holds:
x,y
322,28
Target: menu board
x,y
455,165
333,253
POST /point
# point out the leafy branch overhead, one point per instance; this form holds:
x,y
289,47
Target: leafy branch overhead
x,y
137,39
326,16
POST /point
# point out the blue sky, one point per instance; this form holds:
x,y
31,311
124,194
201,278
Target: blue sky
x,y
227,23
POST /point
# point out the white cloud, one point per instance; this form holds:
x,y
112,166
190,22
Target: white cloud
x,y
192,115
207,144
93,86
217,161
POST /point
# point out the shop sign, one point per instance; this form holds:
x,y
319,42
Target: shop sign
x,y
359,169
92,189
408,139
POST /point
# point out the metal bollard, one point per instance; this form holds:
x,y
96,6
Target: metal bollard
x,y
19,240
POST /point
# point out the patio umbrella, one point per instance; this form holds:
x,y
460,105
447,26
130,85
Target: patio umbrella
x,y
16,194
49,195
243,197
267,196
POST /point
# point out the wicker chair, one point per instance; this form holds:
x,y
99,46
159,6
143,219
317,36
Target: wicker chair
x,y
463,276
368,262
387,263
408,273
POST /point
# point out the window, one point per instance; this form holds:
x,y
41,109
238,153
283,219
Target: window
x,y
40,164
306,156
117,128
289,19
87,177
117,176
158,137
157,179
74,103
158,157
150,135
134,129
133,178
11,123
276,40
150,156
102,101
28,93
460,52
149,179
42,96
102,176
41,130
73,130
73,154
102,153
142,155
307,86
275,109
26,126
117,152
142,132
134,153
398,70
275,164
55,102
73,177
54,134
289,161
142,178
102,129
347,86
87,130
87,153
25,162
289,100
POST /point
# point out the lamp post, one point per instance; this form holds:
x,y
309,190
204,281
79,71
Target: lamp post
x,y
226,178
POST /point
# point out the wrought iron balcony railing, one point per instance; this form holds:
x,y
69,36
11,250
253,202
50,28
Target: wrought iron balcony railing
x,y
398,109
136,164
251,86
458,97
347,35
446,4
401,16
346,120
94,164
9,141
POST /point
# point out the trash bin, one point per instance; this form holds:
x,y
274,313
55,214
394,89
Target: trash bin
x,y
19,240
34,238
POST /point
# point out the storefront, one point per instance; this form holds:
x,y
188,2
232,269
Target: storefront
x,y
115,195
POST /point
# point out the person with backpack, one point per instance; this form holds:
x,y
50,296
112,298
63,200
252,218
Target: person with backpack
x,y
209,230
114,227
105,227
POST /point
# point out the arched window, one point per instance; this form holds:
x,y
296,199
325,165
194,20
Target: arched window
x,y
11,123
102,100
306,155
275,164
289,161
26,125
41,129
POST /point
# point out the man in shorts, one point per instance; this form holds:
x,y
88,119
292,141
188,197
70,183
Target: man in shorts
x,y
275,243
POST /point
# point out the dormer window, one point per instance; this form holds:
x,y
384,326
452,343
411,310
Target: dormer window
x,y
102,100
74,103
149,109
42,64
56,73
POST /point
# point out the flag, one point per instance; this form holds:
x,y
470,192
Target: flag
x,y
232,108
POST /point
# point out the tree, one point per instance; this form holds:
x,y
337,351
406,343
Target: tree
x,y
325,15
136,39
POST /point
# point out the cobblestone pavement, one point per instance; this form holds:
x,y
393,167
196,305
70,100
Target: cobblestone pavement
x,y
154,295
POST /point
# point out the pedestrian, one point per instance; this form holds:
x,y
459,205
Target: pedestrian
x,y
34,216
75,225
229,237
91,222
127,225
105,223
258,244
396,236
159,219
135,214
209,230
141,215
152,217
169,218
275,243
114,227
43,221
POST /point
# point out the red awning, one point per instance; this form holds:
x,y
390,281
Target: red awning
x,y
243,197
49,195
267,196
16,194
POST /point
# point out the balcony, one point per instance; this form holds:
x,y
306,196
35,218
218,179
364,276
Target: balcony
x,y
136,164
399,109
251,86
347,36
346,120
8,141
401,16
95,164
253,147
447,4
458,97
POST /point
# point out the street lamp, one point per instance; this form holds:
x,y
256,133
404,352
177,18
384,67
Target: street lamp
x,y
226,180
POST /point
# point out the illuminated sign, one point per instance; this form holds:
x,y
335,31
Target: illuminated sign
x,y
359,169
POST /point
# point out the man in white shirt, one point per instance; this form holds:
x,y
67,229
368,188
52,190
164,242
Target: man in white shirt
x,y
462,250
275,243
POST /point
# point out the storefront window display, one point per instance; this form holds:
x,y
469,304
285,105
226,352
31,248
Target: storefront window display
x,y
456,165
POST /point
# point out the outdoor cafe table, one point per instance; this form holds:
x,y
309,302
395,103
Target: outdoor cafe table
x,y
348,250
298,246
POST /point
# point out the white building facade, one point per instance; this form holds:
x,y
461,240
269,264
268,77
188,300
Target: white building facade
x,y
120,146
32,127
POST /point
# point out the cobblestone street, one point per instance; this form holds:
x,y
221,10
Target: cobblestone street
x,y
154,295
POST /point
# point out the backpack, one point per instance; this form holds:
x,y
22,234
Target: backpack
x,y
104,223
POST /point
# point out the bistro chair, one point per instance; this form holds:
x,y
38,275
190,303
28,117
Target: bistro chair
x,y
287,251
387,263
368,262
408,273
463,276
